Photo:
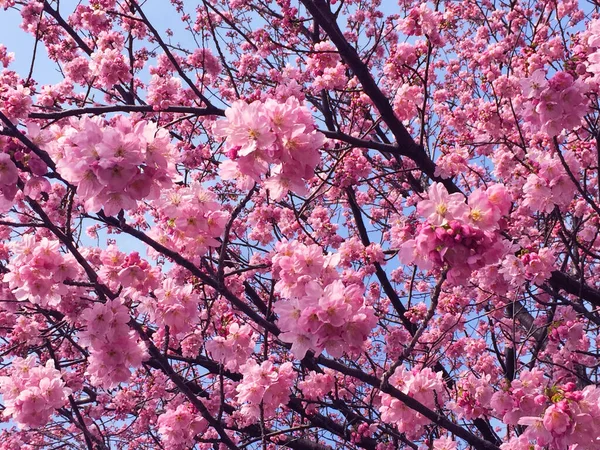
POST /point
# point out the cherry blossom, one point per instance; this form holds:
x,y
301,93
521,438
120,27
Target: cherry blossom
x,y
310,225
32,392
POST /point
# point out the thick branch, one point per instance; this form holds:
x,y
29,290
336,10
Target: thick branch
x,y
98,110
560,280
165,49
183,262
182,385
475,441
406,144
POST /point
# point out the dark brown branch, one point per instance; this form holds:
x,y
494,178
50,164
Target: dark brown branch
x,y
16,133
362,143
406,144
560,280
183,262
169,55
182,385
98,110
475,441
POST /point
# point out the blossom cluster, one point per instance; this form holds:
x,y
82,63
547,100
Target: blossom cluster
x,y
556,416
164,92
423,21
178,427
114,348
473,396
593,58
110,67
463,236
128,272
190,220
535,266
553,105
325,68
270,137
6,57
445,443
9,176
316,385
407,101
113,165
233,349
38,270
266,385
32,392
16,102
174,305
424,386
318,311
551,184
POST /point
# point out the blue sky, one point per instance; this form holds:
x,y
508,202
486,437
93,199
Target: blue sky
x,y
20,43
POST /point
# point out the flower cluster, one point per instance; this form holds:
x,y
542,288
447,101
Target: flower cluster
x,y
178,427
535,266
32,392
16,101
423,21
551,184
473,396
164,91
203,58
553,105
38,270
264,134
265,385
422,385
191,220
115,165
316,385
9,175
114,348
110,67
175,306
5,57
296,264
519,399
593,59
234,349
557,416
331,78
333,318
325,56
319,311
128,272
444,443
325,68
462,236
407,101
